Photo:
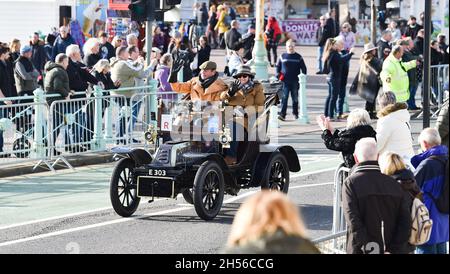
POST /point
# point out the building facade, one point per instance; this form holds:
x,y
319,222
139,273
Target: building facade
x,y
21,18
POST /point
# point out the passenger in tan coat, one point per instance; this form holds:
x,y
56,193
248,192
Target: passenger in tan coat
x,y
246,93
206,87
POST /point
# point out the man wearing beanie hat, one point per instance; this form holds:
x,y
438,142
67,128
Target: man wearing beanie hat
x,y
206,87
26,78
25,73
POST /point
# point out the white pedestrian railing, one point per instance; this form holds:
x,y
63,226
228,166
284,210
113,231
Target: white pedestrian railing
x,y
31,130
17,128
439,76
340,175
332,244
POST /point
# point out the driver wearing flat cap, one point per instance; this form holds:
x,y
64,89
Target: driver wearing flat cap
x,y
206,87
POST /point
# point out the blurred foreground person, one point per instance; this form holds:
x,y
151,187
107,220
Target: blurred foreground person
x,y
268,223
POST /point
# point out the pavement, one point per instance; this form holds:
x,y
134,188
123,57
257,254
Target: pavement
x,y
85,159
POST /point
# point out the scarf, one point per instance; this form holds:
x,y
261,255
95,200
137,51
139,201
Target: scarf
x,y
246,88
205,83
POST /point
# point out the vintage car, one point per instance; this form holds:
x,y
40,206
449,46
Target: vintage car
x,y
197,169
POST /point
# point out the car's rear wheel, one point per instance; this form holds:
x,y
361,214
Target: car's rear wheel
x,y
123,188
209,190
277,174
188,196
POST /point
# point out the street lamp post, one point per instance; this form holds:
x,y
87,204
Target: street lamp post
x,y
426,65
259,51
151,100
373,22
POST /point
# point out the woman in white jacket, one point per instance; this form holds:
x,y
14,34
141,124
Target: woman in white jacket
x,y
393,128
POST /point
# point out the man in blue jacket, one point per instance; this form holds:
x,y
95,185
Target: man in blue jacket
x,y
289,67
62,42
430,176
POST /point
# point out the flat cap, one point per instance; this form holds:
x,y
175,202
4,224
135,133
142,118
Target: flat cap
x,y
208,65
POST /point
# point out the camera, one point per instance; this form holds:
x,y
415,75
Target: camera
x,y
420,58
184,55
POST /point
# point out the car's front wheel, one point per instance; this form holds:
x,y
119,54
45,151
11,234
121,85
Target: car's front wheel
x,y
123,188
208,190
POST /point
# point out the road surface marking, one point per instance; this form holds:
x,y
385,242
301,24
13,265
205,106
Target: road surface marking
x,y
55,218
123,220
300,174
66,216
117,221
311,185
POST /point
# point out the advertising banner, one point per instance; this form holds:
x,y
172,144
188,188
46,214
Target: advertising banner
x,y
119,4
301,30
91,15
362,34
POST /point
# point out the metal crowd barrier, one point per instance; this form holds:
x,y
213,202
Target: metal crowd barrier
x,y
142,118
439,75
336,243
86,125
340,175
34,131
18,125
332,244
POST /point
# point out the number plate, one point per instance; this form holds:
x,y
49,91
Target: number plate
x,y
157,172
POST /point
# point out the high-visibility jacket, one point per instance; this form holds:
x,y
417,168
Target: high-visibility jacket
x,y
395,77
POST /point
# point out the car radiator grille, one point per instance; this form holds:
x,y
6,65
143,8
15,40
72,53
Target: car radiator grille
x,y
163,156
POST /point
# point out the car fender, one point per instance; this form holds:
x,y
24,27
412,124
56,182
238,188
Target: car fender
x,y
260,166
213,157
288,151
138,155
292,158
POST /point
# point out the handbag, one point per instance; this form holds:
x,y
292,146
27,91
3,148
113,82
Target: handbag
x,y
354,87
369,85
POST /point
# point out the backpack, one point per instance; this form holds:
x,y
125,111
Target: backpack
x,y
421,223
227,21
442,202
